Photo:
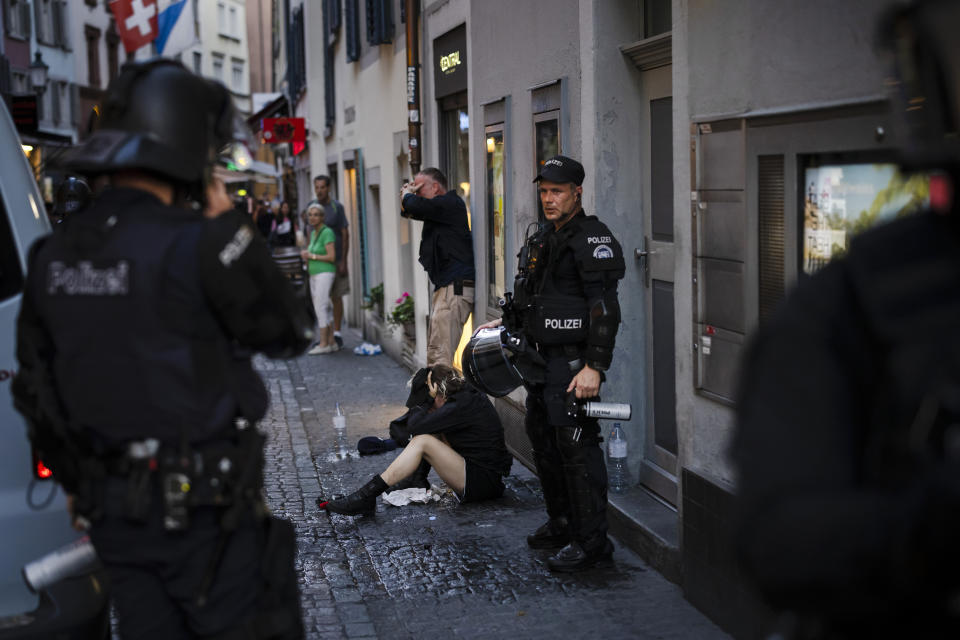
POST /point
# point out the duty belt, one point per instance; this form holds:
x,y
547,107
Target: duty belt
x,y
458,286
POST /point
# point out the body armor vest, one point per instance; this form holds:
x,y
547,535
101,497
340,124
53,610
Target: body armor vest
x,y
138,351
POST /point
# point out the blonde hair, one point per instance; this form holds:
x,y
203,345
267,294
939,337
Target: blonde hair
x,y
448,380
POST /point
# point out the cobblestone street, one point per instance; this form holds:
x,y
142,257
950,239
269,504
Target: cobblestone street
x,y
431,571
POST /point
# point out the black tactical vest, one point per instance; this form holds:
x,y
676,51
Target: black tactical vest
x,y
138,351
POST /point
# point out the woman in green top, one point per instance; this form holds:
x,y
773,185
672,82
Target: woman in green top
x,y
320,256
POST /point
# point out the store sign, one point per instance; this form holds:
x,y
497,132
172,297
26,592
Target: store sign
x,y
450,62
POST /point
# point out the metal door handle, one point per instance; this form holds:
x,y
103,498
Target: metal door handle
x,y
643,256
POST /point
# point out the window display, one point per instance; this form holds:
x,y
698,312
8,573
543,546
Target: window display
x,y
843,199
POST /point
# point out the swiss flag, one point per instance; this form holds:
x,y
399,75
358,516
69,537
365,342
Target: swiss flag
x,y
136,22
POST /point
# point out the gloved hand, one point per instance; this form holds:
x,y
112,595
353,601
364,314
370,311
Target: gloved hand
x,y
419,391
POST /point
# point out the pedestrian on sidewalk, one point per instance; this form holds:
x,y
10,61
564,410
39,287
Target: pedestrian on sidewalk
x,y
137,326
446,252
458,432
320,256
336,218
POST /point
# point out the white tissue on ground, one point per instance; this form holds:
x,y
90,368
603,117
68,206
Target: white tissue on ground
x,y
367,349
417,495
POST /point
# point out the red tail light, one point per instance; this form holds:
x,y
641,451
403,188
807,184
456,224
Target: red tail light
x,y
42,471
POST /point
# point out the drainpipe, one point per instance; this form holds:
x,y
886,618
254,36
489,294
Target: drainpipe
x,y
413,82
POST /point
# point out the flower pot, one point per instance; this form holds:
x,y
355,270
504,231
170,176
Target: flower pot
x,y
410,330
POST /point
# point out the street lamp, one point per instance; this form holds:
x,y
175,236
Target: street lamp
x,y
38,75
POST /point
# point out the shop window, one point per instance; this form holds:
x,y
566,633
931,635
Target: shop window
x,y
546,144
455,143
496,246
845,194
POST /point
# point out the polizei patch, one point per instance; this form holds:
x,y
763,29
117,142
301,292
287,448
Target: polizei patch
x,y
602,252
237,245
563,323
83,279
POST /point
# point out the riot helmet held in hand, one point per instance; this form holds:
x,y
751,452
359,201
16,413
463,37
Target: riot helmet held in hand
x,y
160,118
489,365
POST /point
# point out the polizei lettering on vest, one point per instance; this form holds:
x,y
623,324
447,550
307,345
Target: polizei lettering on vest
x,y
83,279
563,323
599,240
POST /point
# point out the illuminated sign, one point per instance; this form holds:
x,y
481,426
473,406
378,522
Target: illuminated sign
x,y
450,62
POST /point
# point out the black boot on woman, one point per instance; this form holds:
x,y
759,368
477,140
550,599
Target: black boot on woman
x,y
416,480
362,501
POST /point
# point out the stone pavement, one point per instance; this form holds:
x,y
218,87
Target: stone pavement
x,y
431,571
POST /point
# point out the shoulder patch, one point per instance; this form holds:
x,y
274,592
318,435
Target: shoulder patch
x,y
236,246
596,249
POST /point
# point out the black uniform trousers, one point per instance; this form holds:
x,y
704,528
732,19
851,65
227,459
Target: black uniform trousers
x,y
156,574
567,456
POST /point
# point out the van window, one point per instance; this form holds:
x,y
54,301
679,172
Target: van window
x,y
11,274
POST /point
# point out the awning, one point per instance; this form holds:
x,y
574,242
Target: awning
x,y
230,177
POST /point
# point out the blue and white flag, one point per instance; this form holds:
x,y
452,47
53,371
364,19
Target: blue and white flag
x,y
176,27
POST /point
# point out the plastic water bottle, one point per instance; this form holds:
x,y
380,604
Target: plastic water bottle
x,y
340,429
339,421
618,477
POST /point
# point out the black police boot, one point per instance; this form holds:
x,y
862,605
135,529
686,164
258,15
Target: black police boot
x,y
416,480
589,545
578,556
552,534
362,501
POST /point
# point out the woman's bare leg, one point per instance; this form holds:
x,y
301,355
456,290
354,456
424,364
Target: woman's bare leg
x,y
448,464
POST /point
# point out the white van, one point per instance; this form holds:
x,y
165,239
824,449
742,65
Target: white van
x,y
33,514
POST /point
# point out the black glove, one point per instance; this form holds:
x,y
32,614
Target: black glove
x,y
419,391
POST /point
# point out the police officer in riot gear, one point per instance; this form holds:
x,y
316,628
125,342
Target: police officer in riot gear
x,y
135,336
564,307
849,403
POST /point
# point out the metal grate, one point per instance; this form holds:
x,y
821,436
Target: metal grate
x,y
771,201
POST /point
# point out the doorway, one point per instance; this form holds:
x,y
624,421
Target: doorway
x,y
656,256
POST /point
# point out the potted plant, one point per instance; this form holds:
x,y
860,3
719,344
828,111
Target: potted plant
x,y
374,301
402,315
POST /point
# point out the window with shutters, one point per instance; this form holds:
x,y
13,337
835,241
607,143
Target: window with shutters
x,y
92,36
43,21
17,18
218,66
380,26
352,28
113,51
61,34
329,87
331,17
296,54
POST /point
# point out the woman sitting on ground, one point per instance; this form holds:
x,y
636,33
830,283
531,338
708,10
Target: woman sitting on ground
x,y
457,432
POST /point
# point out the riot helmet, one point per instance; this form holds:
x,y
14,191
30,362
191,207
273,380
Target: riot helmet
x,y
925,81
489,365
160,118
73,195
